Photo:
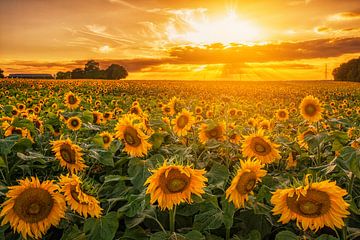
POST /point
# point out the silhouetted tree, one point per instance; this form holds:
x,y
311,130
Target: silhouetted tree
x,y
116,71
92,70
63,75
349,71
77,73
1,73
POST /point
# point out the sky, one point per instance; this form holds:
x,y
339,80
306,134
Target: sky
x,y
182,40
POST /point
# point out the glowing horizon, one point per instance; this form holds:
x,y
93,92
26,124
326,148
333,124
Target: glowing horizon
x,y
222,40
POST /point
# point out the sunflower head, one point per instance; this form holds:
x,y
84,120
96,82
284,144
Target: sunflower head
x,y
69,155
129,129
171,185
107,139
259,146
212,131
72,101
282,114
313,205
74,123
244,182
33,207
79,201
311,109
183,122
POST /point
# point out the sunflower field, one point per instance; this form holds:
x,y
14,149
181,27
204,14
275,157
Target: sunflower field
x,y
134,160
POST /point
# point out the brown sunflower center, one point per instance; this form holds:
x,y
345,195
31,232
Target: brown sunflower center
x,y
310,109
72,99
182,121
175,181
246,182
75,122
260,146
214,133
74,193
16,131
33,205
135,110
282,114
67,153
131,137
167,109
314,204
106,139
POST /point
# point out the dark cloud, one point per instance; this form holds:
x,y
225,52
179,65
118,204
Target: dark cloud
x,y
287,51
235,55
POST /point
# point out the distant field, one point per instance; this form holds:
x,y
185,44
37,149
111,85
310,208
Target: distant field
x,y
208,160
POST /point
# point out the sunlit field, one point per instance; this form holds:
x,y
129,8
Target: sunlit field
x,y
88,159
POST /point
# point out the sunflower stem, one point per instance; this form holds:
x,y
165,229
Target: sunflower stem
x,y
227,233
172,214
351,183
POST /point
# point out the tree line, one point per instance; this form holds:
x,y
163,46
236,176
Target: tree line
x,y
92,71
349,71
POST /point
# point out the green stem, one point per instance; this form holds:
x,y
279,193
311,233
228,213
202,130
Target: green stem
x,y
351,183
227,233
172,214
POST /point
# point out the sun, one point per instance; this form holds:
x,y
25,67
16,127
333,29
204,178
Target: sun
x,y
225,29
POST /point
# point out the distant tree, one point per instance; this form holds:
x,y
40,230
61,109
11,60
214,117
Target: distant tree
x,y
63,75
77,73
116,71
1,73
92,70
349,71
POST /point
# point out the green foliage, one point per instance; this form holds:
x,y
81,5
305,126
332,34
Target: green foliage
x,y
349,71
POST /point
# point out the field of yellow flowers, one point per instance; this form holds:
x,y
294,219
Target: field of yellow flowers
x,y
101,160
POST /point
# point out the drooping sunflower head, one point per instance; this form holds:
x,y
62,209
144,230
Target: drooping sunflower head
x,y
69,155
72,101
311,109
259,146
183,122
212,131
97,117
314,205
171,185
244,182
107,139
33,207
79,201
282,114
129,130
74,123
302,137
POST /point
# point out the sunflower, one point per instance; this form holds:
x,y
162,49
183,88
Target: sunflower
x,y
259,146
33,207
78,200
232,112
168,110
212,131
314,205
282,114
107,139
301,137
235,138
107,115
171,185
97,117
311,109
198,110
72,101
244,182
74,123
135,140
69,155
183,122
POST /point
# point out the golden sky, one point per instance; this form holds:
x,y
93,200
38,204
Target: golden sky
x,y
185,39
